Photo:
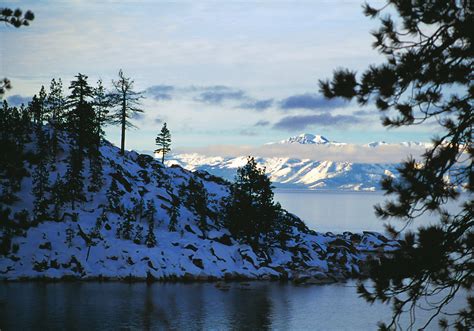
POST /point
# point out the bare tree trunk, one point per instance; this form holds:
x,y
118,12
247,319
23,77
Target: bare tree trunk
x,y
122,143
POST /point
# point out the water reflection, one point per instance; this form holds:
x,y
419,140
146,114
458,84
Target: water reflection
x,y
135,306
178,306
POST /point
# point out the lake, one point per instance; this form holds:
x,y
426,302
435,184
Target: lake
x,y
341,211
185,306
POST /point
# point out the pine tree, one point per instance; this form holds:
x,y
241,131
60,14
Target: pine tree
x,y
81,116
125,230
41,177
127,102
150,239
163,141
75,178
138,234
174,214
102,103
113,197
80,122
96,171
196,198
58,195
69,236
426,78
250,211
56,104
38,106
138,208
150,211
40,189
99,223
15,130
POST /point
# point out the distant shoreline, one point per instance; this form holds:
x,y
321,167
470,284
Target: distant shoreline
x,y
332,191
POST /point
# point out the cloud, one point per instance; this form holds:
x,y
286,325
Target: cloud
x,y
300,122
341,153
311,101
262,123
217,94
248,132
158,120
160,92
17,100
365,112
137,116
257,105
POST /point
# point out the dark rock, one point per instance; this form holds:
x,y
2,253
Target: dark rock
x,y
198,263
224,240
46,245
144,160
118,176
150,264
191,247
188,228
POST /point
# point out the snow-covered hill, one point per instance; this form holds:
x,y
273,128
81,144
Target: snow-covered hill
x,y
306,173
84,243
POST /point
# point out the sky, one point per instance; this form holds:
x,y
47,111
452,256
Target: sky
x,y
217,72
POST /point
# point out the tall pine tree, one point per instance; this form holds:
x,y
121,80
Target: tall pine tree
x,y
127,102
81,119
163,141
250,210
56,107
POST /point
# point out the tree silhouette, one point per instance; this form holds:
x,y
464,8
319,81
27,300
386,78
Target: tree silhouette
x,y
17,19
163,141
56,106
251,213
102,103
427,78
127,102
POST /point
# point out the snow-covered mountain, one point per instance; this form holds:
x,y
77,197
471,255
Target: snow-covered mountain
x,y
296,173
307,139
305,173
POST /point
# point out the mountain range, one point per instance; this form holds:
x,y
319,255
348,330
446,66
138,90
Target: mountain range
x,y
305,173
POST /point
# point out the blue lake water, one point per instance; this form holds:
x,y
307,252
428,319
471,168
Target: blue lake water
x,y
192,306
341,211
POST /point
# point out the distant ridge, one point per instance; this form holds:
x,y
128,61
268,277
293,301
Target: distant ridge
x,y
307,173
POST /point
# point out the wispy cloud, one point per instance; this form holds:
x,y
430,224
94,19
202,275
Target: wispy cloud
x,y
365,113
248,132
311,101
262,123
343,153
160,92
301,122
257,104
218,94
